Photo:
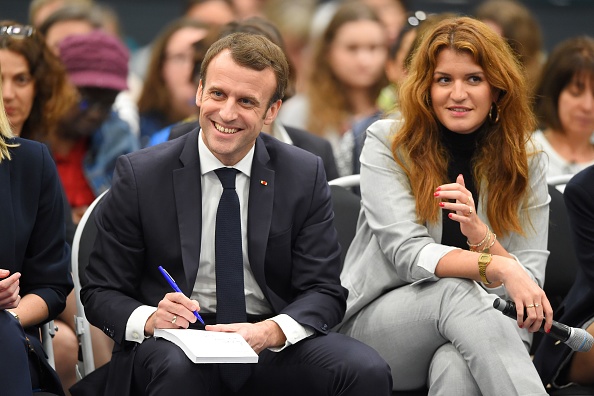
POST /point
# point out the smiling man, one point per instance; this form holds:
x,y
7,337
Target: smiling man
x,y
244,223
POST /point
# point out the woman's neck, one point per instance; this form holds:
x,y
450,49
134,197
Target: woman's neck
x,y
575,149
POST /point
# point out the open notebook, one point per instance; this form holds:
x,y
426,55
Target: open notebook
x,y
202,346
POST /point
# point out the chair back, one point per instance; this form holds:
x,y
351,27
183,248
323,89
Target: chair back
x,y
84,238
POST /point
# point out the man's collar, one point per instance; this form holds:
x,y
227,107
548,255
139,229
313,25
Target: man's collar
x,y
208,162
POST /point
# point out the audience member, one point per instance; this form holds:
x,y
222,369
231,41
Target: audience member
x,y
286,275
213,12
424,266
346,77
565,106
392,13
289,135
556,363
75,19
517,24
39,10
168,93
91,136
34,274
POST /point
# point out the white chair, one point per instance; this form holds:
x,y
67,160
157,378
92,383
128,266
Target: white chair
x,y
81,245
48,331
346,181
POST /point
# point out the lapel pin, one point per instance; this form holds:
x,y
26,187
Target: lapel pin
x,y
263,182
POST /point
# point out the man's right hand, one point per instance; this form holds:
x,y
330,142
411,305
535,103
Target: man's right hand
x,y
175,311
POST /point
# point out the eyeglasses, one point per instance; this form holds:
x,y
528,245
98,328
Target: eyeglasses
x,y
416,18
18,31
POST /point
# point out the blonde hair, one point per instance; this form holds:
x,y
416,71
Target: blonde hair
x,y
503,155
5,130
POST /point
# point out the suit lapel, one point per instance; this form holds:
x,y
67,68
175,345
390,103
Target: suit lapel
x,y
188,201
260,211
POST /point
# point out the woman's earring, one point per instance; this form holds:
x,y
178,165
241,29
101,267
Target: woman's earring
x,y
494,109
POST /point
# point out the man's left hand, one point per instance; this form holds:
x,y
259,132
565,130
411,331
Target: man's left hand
x,y
261,335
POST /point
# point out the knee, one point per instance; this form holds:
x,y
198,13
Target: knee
x,y
364,365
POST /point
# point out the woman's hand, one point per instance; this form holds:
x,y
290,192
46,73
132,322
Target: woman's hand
x,y
524,291
463,209
9,289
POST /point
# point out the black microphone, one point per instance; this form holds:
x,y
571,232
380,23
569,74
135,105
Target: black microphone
x,y
577,339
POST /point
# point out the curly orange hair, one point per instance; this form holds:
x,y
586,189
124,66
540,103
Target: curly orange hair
x,y
501,165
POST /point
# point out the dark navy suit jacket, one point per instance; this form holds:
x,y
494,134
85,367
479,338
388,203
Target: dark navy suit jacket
x,y
32,224
578,305
152,216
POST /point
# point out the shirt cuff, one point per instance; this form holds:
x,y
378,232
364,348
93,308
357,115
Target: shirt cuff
x,y
136,322
294,332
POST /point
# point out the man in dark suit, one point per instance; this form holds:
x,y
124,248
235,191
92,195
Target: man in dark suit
x,y
162,210
556,363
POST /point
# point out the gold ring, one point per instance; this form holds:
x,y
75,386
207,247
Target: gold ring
x,y
174,319
530,306
536,305
467,202
469,211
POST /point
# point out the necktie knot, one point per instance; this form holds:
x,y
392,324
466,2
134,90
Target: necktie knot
x,y
227,177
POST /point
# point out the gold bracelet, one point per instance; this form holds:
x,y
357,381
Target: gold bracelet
x,y
488,248
483,261
471,245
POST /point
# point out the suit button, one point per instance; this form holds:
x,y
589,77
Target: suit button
x,y
324,327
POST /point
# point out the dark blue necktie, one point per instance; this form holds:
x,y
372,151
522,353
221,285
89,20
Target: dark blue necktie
x,y
229,271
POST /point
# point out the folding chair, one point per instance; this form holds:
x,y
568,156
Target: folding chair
x,y
84,238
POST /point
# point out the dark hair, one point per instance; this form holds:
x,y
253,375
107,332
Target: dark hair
x,y
255,52
54,95
573,58
263,27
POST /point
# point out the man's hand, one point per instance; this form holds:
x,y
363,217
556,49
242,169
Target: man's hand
x,y
9,289
175,311
261,335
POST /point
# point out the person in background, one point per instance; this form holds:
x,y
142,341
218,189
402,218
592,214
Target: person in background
x,y
519,27
213,12
168,92
454,214
565,106
39,10
346,77
285,276
556,363
289,135
91,136
76,19
37,95
34,273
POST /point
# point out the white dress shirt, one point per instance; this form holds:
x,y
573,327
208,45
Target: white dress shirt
x,y
204,290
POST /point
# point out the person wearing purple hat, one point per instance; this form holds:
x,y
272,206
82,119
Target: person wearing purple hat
x,y
92,136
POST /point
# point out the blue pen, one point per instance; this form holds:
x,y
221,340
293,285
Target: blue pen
x,y
169,279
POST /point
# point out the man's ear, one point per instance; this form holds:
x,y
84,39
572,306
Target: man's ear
x,y
272,112
199,94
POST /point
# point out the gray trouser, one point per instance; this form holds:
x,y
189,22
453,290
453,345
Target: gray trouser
x,y
447,335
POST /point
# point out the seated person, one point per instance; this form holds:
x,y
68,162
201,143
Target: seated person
x,y
556,363
34,272
267,269
284,133
424,266
91,136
